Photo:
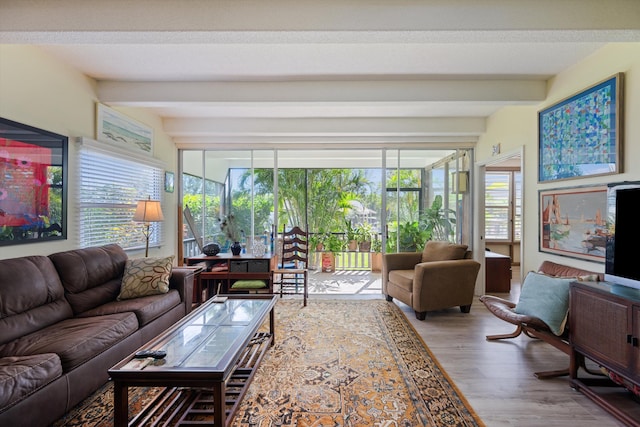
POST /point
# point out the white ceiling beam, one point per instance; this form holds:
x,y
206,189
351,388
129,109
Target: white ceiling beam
x,y
141,17
319,142
327,127
454,90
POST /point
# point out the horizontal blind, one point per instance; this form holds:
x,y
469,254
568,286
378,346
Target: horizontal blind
x,y
497,205
110,184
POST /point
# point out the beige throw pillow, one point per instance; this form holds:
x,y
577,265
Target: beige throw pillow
x,y
145,276
441,251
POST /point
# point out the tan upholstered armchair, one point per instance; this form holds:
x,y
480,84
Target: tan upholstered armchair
x,y
442,276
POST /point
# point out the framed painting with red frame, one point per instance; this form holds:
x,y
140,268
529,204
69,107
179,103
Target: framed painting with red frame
x,y
33,190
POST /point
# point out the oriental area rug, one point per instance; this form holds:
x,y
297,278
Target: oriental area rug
x,y
334,363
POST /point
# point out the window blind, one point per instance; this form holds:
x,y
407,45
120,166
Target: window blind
x,y
110,184
497,206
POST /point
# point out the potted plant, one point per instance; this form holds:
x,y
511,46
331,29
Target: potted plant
x,y
234,234
315,243
412,237
363,233
376,254
352,237
332,244
437,221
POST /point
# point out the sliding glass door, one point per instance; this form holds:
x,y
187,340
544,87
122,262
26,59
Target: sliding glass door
x,y
339,195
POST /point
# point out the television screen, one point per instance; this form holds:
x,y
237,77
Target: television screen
x,y
623,234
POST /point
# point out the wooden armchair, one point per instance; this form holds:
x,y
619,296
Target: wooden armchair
x,y
442,276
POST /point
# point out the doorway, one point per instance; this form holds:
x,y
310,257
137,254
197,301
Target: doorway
x,y
499,228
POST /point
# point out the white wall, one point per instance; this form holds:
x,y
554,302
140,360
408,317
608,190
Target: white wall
x,y
515,127
43,92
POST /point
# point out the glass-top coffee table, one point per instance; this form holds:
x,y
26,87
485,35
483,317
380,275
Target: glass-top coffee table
x,y
211,357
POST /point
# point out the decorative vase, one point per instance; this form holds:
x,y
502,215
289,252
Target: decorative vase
x,y
211,249
259,248
236,248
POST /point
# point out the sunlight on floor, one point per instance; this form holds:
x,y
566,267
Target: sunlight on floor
x,y
345,282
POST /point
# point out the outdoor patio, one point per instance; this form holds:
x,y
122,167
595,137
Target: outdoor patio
x,y
345,282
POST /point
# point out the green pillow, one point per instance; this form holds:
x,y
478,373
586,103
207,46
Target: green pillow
x,y
546,298
249,284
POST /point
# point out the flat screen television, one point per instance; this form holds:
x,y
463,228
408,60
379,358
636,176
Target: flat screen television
x,y
622,260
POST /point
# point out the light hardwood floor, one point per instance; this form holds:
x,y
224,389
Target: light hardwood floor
x,y
497,378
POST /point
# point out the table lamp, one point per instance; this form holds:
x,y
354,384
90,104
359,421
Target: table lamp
x,y
148,211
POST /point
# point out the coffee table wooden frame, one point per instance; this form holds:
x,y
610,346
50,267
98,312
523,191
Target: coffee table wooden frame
x,y
188,390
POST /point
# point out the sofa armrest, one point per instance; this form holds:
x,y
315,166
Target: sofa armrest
x,y
182,280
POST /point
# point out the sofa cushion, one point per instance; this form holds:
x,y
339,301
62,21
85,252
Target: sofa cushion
x,y
90,276
31,297
546,298
146,276
22,375
442,251
75,340
146,309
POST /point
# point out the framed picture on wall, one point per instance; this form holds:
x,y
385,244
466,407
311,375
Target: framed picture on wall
x,y
582,135
116,128
168,182
573,222
33,184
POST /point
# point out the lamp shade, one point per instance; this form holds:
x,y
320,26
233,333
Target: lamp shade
x,y
148,211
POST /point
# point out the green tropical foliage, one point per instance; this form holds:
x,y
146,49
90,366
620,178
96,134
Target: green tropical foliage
x,y
438,222
330,202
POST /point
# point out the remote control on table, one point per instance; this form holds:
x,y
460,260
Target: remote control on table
x,y
156,354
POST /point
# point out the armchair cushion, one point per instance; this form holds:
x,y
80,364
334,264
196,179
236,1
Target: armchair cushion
x,y
546,298
442,251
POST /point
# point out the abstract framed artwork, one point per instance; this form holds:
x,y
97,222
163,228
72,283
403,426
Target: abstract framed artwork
x,y
582,135
573,222
116,128
33,184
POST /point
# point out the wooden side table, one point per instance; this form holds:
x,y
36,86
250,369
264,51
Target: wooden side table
x,y
497,272
197,287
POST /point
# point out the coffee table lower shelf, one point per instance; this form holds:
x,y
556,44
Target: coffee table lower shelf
x,y
189,406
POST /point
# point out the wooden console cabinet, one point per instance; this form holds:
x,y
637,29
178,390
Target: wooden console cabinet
x,y
605,328
497,272
224,269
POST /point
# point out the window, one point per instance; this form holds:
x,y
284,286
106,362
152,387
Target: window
x,y
503,205
111,183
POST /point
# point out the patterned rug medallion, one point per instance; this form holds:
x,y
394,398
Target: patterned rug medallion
x,y
335,363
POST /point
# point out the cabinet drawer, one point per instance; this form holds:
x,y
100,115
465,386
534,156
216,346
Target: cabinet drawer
x,y
258,266
238,266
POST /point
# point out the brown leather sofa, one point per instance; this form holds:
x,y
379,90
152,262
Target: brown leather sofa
x,y
442,276
61,328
